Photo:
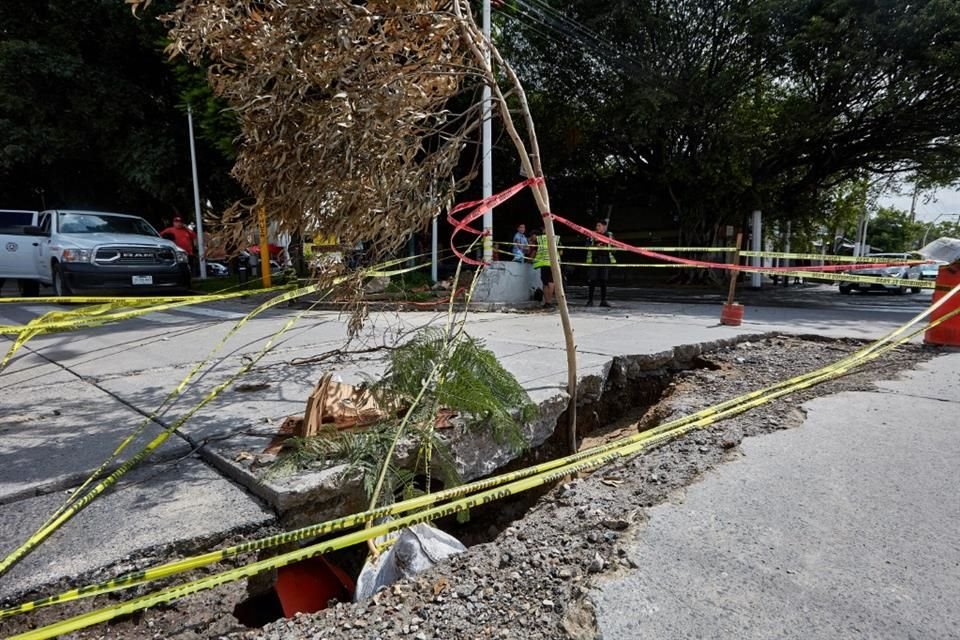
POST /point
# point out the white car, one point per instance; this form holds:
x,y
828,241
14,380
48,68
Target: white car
x,y
908,272
929,270
217,270
99,252
15,249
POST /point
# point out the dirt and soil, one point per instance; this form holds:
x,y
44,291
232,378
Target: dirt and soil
x,y
530,577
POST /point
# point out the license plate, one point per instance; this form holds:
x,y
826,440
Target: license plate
x,y
142,279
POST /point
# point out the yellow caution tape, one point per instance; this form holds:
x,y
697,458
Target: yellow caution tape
x,y
634,265
96,316
76,503
133,313
830,258
134,300
75,319
117,300
660,249
849,277
541,474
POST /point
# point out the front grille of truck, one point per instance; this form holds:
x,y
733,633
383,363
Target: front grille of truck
x,y
107,256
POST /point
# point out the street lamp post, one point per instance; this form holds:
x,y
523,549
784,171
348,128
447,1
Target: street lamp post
x,y
487,145
196,197
923,242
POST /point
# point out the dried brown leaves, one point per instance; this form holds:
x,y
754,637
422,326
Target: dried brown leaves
x,y
343,108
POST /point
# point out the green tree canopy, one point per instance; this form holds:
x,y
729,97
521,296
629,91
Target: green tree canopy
x,y
91,113
708,110
892,231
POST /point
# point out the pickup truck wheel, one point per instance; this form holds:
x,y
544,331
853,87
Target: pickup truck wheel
x,y
29,288
914,289
60,287
846,289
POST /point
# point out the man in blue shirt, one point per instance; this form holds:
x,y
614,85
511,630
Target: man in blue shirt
x,y
520,243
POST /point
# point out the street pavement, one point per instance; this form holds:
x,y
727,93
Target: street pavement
x,y
845,527
70,397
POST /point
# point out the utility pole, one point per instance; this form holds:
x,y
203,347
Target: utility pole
x,y
487,144
433,252
202,256
756,244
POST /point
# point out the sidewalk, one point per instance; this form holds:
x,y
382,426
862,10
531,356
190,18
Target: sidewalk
x,y
75,395
844,527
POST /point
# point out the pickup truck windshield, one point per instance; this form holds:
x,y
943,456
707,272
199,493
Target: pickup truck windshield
x,y
104,223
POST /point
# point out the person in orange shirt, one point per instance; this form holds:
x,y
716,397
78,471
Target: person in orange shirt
x,y
183,237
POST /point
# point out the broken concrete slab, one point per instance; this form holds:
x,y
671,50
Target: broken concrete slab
x,y
311,496
157,510
239,425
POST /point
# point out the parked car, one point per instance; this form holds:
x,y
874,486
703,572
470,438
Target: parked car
x,y
929,270
217,270
909,272
15,249
94,251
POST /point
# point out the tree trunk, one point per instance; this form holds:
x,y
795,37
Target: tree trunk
x,y
530,160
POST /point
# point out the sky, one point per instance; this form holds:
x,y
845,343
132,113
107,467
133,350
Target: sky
x,y
929,205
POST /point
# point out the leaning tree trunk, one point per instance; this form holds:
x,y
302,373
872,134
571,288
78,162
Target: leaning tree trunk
x,y
530,160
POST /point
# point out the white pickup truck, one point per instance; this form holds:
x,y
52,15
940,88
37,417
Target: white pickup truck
x,y
88,252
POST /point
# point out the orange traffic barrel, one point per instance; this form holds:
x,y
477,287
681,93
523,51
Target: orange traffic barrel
x,y
731,314
307,586
946,333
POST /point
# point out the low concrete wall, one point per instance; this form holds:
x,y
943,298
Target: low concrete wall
x,y
507,282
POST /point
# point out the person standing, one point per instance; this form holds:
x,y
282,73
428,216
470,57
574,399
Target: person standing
x,y
599,264
183,237
541,262
520,243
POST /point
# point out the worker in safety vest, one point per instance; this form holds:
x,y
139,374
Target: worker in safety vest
x,y
541,262
599,264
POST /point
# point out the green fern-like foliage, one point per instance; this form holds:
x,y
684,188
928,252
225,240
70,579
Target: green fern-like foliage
x,y
460,374
472,383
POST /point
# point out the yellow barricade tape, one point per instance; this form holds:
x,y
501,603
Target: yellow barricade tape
x,y
582,461
76,503
94,316
661,249
829,258
124,315
119,300
122,300
850,277
751,254
633,265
